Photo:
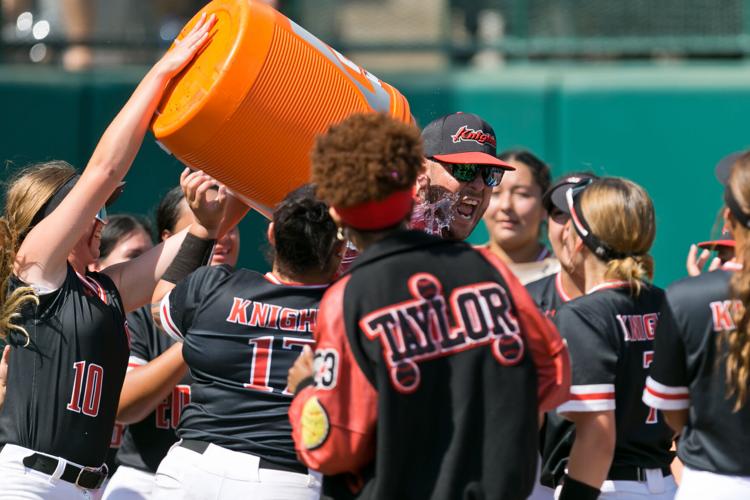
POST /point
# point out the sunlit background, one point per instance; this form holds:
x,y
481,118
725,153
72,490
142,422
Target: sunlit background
x,y
654,90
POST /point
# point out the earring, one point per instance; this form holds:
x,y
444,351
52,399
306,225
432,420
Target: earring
x,y
340,234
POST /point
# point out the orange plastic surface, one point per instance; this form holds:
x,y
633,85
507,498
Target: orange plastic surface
x,y
248,108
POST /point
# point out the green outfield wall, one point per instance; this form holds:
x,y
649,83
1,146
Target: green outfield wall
x,y
663,126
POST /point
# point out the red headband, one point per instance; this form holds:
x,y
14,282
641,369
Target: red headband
x,y
379,214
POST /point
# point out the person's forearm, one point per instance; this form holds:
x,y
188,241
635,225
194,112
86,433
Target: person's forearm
x,y
591,455
147,386
121,141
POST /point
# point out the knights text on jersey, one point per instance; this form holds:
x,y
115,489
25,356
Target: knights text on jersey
x,y
242,331
71,372
686,374
610,335
440,351
147,442
548,294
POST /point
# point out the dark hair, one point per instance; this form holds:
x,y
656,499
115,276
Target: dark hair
x,y
304,233
366,157
118,226
540,171
168,211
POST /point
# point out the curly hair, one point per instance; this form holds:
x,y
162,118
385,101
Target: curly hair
x,y
366,157
304,233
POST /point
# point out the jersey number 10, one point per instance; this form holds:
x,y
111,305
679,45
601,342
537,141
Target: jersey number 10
x,y
92,394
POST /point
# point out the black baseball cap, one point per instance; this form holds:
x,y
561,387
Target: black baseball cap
x,y
724,167
555,195
462,138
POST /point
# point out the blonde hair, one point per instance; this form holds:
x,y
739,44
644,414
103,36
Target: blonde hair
x,y
26,195
621,214
738,339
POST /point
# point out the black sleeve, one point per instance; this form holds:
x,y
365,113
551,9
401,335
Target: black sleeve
x,y
179,306
593,357
667,382
140,329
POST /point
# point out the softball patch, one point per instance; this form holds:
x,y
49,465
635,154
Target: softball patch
x,y
315,425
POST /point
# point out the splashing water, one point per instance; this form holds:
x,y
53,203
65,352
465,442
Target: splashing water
x,y
436,213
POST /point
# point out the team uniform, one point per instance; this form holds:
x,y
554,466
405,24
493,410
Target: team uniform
x,y
688,372
549,296
242,331
145,444
610,335
431,365
65,385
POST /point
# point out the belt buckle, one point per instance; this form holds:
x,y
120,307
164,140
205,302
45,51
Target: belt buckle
x,y
93,470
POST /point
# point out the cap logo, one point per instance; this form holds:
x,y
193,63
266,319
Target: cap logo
x,y
469,134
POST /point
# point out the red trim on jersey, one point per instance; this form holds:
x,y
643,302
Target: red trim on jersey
x,y
593,395
94,286
662,395
559,288
277,281
607,285
548,351
168,319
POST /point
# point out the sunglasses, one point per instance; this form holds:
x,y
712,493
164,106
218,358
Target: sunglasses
x,y
467,172
101,215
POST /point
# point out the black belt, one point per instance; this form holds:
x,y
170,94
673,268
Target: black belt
x,y
90,478
201,446
630,473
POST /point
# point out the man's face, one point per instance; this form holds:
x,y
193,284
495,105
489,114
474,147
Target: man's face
x,y
473,198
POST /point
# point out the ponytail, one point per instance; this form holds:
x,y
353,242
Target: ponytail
x,y
633,269
11,303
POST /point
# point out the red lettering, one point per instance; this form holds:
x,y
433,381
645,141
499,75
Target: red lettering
x,y
635,323
180,399
92,393
238,313
273,317
288,320
307,319
259,315
722,315
650,321
162,421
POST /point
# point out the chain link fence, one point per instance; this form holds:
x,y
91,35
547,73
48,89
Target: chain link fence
x,y
396,33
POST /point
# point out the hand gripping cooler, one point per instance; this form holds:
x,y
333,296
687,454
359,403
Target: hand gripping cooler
x,y
247,109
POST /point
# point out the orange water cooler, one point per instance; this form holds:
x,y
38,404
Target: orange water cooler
x,y
247,109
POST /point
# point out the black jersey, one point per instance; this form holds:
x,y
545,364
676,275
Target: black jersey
x,y
431,364
65,385
610,336
689,372
147,442
242,331
548,294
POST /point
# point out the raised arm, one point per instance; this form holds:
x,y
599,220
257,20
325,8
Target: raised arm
x,y
42,257
137,278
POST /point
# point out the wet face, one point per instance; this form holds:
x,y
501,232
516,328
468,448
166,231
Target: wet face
x,y
473,198
515,211
127,247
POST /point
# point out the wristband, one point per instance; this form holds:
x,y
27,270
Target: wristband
x,y
576,490
307,381
193,253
